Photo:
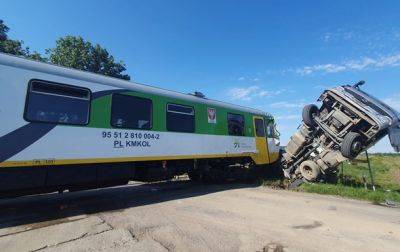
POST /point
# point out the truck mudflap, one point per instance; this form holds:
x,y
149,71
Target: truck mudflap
x,y
394,137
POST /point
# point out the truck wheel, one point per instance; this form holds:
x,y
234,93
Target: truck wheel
x,y
352,145
309,113
310,170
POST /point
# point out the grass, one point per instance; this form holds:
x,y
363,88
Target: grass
x,y
353,178
360,193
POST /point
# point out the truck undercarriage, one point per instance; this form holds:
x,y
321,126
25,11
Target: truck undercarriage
x,y
347,122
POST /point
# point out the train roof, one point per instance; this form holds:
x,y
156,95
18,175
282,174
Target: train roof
x,y
48,68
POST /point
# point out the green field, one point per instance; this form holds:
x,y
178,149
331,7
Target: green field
x,y
350,183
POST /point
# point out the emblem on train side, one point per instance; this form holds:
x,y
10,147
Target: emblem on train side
x,y
212,115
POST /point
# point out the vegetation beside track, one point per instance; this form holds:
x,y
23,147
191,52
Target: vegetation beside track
x,y
354,180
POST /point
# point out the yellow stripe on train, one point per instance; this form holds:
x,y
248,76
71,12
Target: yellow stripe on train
x,y
43,162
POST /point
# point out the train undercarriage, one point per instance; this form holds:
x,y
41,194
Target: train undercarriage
x,y
20,181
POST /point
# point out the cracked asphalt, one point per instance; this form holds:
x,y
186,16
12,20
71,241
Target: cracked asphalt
x,y
183,216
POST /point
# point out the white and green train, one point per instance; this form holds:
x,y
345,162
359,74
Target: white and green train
x,y
64,129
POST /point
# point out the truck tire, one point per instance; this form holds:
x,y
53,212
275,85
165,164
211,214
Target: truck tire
x,y
310,170
352,145
309,112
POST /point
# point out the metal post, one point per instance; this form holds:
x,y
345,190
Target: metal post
x,y
364,179
342,174
370,171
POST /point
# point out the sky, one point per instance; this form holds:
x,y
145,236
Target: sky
x,y
276,56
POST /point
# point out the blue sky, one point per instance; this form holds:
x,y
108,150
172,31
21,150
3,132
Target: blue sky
x,y
272,55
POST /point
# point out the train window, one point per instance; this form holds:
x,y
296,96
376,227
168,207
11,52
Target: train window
x,y
271,131
131,112
180,118
260,131
57,103
235,124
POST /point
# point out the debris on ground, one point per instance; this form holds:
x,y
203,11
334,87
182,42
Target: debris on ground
x,y
391,203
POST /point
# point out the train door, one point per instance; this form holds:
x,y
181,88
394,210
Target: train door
x,y
261,141
273,142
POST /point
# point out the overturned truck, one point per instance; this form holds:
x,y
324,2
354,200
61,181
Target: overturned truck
x,y
348,122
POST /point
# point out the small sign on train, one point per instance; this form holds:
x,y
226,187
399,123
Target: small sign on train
x,y
212,115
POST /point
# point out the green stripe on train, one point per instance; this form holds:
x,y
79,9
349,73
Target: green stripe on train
x,y
101,113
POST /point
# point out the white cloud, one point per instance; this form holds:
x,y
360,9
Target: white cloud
x,y
243,93
328,68
327,37
393,60
248,93
248,79
339,35
348,35
393,101
287,104
352,65
289,117
322,87
264,93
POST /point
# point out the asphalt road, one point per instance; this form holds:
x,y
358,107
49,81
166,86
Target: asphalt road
x,y
181,216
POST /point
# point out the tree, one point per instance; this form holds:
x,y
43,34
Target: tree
x,y
102,62
3,30
15,47
7,45
75,52
36,56
12,47
70,51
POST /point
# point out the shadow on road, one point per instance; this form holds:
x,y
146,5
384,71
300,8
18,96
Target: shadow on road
x,y
53,207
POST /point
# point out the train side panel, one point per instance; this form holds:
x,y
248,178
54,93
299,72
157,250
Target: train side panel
x,y
38,156
34,143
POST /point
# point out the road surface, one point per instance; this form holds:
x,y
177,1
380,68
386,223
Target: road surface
x,y
182,216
